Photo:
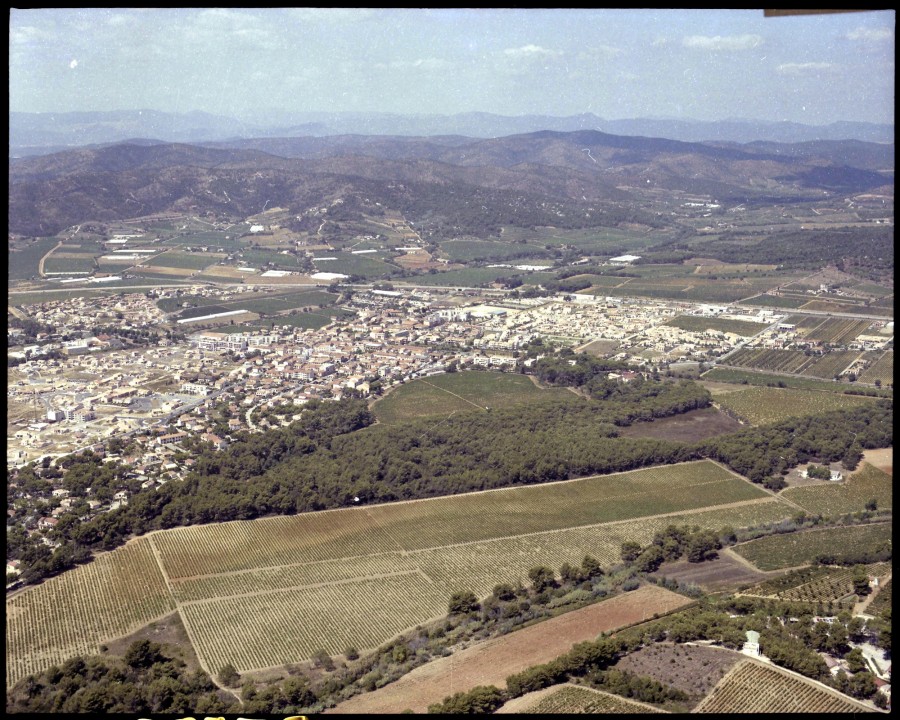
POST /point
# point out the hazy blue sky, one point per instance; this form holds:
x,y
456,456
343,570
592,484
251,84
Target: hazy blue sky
x,y
702,64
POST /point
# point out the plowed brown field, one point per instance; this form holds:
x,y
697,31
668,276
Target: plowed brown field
x,y
491,662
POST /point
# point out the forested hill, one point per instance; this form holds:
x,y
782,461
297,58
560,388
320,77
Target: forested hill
x,y
335,454
581,174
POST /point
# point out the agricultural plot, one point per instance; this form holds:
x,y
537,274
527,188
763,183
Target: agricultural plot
x,y
276,628
189,261
748,377
575,699
776,552
838,330
847,307
881,370
596,241
785,301
763,405
695,323
868,483
71,614
25,257
468,277
820,585
804,322
752,687
882,601
492,661
60,262
270,591
442,395
469,250
367,266
831,364
783,361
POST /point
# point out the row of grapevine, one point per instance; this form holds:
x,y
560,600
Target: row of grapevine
x,y
589,501
751,687
74,612
278,578
788,361
568,699
838,330
283,540
831,364
282,627
781,551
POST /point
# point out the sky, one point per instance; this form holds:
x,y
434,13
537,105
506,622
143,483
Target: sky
x,y
616,64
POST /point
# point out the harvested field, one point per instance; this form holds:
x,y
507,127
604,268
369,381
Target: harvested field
x,y
882,458
693,669
690,427
726,572
491,662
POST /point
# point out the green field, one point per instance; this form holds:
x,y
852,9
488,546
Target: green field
x,y
366,266
70,262
23,263
469,277
469,250
762,405
272,591
776,552
442,395
190,261
778,301
695,323
596,241
868,483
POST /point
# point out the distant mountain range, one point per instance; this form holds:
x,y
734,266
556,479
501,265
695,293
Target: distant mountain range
x,y
450,184
40,133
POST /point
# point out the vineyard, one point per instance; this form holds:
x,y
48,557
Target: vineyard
x,y
761,405
818,585
73,613
786,361
882,370
782,551
868,483
751,687
831,364
838,330
271,591
574,699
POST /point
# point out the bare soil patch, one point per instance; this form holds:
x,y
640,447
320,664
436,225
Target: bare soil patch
x,y
882,458
690,427
722,574
163,270
491,662
693,669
